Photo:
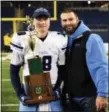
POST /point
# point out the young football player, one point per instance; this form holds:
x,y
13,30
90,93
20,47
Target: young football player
x,y
50,46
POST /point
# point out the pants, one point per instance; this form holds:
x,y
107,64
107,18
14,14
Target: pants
x,y
54,106
84,105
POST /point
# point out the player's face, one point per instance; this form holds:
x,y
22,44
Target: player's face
x,y
69,21
41,24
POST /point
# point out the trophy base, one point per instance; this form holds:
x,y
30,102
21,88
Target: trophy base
x,y
39,88
40,99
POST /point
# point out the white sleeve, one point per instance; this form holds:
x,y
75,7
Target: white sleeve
x,y
17,54
62,49
17,58
16,43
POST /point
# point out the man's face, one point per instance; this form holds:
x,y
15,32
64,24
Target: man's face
x,y
69,21
41,24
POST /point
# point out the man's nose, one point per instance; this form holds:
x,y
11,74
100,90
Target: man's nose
x,y
67,22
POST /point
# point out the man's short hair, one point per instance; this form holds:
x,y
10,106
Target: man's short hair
x,y
68,10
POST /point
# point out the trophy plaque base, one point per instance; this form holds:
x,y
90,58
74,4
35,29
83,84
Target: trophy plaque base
x,y
39,88
40,99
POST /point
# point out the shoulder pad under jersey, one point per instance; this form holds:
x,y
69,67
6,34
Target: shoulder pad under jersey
x,y
21,33
60,33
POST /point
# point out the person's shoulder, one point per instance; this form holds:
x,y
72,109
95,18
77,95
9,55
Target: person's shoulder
x,y
57,34
18,37
61,34
95,38
21,33
58,38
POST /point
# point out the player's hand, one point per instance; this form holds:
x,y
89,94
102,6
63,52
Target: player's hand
x,y
101,103
56,93
24,98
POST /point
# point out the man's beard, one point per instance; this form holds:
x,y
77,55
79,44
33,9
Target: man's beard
x,y
68,32
71,28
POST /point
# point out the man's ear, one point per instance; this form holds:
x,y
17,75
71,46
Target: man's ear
x,y
77,18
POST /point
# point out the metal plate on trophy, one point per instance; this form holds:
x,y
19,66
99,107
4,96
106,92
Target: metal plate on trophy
x,y
38,84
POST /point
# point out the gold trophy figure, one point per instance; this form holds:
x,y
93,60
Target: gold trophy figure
x,y
38,84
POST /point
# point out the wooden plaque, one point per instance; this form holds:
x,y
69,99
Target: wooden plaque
x,y
38,84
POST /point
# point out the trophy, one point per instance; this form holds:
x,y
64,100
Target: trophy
x,y
38,84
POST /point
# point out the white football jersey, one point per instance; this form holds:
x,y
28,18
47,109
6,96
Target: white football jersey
x,y
51,51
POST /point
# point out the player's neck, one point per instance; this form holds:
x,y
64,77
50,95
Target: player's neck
x,y
42,35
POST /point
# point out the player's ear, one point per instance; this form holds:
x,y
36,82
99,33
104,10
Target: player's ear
x,y
33,21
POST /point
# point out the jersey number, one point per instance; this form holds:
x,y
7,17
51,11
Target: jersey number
x,y
46,63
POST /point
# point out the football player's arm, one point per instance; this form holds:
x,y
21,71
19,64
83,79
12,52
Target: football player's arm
x,y
61,75
15,78
61,61
61,66
14,74
15,65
